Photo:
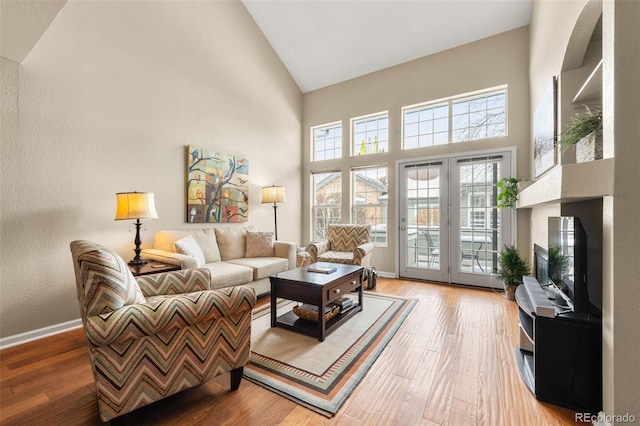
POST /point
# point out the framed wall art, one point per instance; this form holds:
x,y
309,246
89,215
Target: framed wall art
x,y
545,130
217,186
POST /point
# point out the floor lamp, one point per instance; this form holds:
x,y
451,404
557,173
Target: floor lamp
x,y
274,194
136,205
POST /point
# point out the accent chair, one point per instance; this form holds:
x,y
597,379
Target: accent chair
x,y
347,244
159,334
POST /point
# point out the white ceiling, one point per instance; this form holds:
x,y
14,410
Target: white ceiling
x,y
323,42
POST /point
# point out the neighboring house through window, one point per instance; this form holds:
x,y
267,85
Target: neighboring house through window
x,y
369,200
327,202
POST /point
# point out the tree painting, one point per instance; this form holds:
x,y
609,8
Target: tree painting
x,y
217,187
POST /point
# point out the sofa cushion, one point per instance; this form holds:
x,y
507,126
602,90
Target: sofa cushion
x,y
336,257
231,242
226,274
263,266
259,244
190,247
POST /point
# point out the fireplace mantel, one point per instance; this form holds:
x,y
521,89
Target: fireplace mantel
x,y
569,183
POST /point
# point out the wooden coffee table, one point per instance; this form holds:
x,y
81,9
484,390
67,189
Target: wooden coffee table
x,y
317,289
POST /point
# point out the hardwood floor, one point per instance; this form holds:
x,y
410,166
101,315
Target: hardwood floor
x,y
451,363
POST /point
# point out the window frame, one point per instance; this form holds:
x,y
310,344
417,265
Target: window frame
x,y
316,234
355,149
326,127
383,218
450,101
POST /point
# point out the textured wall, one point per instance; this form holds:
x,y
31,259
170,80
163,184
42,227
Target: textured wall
x,y
108,99
552,26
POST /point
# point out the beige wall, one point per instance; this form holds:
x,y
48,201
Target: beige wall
x,y
552,25
106,102
621,285
497,60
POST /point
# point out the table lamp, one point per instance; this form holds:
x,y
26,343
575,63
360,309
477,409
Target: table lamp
x,y
135,206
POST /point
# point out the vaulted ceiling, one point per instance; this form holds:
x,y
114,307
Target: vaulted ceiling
x,y
323,42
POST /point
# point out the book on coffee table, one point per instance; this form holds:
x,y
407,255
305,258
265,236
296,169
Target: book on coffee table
x,y
322,269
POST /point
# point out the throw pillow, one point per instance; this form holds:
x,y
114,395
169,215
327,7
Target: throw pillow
x,y
206,239
190,247
232,242
259,244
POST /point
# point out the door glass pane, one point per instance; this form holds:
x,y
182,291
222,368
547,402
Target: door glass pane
x,y
423,216
480,234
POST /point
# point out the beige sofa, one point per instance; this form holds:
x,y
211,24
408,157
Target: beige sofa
x,y
235,256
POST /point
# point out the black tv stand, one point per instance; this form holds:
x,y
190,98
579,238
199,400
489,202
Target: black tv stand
x,y
560,358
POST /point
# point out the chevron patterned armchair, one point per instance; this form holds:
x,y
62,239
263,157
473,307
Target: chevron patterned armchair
x,y
160,334
348,244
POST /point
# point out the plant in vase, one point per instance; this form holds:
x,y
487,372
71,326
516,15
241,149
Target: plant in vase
x,y
512,268
508,192
584,133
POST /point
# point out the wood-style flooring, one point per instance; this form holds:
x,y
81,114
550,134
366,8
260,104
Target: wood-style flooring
x,y
451,363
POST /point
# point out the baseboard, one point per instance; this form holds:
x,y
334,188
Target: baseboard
x,y
29,336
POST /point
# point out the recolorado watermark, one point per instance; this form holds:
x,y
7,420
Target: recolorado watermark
x,y
604,419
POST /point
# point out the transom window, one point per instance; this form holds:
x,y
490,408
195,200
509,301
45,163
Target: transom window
x,y
370,134
457,119
426,125
327,141
327,202
479,117
370,199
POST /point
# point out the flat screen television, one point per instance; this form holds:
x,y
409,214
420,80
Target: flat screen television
x,y
567,260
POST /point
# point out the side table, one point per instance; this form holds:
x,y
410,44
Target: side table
x,y
152,267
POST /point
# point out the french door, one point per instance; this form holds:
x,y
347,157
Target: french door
x,y
451,229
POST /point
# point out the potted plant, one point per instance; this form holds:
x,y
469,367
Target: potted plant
x,y
512,268
558,264
585,133
508,192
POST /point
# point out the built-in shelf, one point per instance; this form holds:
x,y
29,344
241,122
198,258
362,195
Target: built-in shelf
x,y
569,183
591,90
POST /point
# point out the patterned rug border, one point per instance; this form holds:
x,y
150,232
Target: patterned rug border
x,y
327,393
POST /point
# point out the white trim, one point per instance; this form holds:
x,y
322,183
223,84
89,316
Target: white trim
x,y
387,274
29,336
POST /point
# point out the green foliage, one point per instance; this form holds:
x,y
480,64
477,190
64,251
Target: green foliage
x,y
581,125
512,266
558,264
508,192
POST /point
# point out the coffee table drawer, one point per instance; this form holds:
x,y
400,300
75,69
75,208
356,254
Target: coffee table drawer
x,y
340,289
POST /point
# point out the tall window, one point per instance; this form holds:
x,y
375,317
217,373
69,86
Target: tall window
x,y
370,134
327,141
457,119
327,202
370,199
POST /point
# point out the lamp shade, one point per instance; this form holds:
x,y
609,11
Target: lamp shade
x,y
273,194
135,205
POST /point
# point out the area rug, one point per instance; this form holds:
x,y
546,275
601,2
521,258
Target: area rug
x,y
322,375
